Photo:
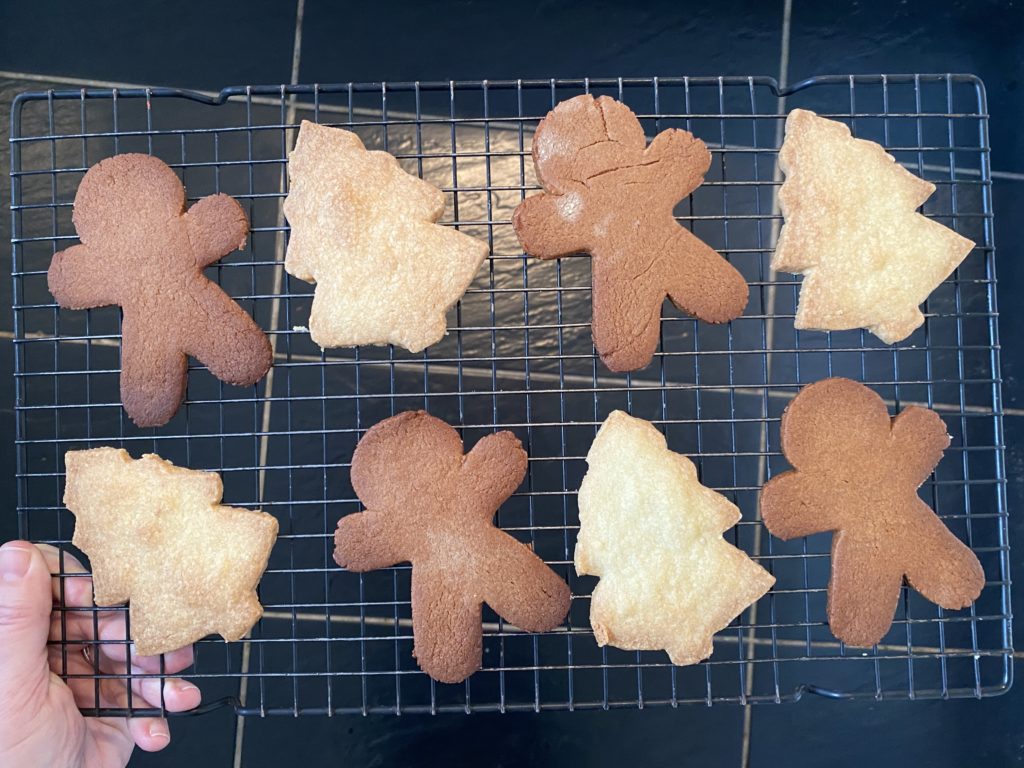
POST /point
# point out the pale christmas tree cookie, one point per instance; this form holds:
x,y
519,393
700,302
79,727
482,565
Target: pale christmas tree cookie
x,y
653,534
869,259
157,535
365,232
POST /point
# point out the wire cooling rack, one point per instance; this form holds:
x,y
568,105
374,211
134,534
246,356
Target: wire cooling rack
x,y
519,357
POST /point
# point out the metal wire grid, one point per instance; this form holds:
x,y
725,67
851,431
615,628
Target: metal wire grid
x,y
518,357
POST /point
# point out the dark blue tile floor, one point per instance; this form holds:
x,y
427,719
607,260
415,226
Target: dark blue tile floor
x,y
196,45
473,40
213,44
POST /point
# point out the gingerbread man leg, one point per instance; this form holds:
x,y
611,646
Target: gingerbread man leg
x,y
154,369
942,568
446,626
239,353
627,318
701,282
525,591
863,591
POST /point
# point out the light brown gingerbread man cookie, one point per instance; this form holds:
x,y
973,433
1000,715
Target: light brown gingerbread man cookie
x,y
429,504
141,250
857,473
610,195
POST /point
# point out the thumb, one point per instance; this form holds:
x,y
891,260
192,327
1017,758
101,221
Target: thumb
x,y
25,605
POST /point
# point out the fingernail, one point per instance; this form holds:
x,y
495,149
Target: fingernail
x,y
14,561
183,687
160,734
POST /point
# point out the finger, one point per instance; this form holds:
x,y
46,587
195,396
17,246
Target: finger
x,y
178,695
112,633
175,661
69,662
102,630
78,632
25,605
150,734
68,590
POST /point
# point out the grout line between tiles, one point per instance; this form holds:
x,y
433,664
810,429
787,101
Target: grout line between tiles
x,y
334,109
268,392
493,626
444,369
769,310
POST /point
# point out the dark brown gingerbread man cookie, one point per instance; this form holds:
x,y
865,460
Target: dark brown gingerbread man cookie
x,y
608,194
429,504
857,473
141,250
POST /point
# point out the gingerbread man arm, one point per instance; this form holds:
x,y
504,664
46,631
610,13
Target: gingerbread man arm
x,y
921,437
524,591
796,504
369,540
491,472
217,225
542,223
681,162
942,568
79,278
863,590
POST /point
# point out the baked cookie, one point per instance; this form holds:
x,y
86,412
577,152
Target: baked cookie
x,y
857,473
141,250
429,504
869,259
609,194
653,534
365,232
157,536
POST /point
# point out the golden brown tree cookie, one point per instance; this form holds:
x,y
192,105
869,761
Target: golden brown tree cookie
x,y
157,536
141,250
653,534
610,195
869,259
365,232
856,472
429,504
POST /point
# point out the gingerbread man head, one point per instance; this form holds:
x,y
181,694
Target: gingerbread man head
x,y
610,195
857,473
141,250
429,504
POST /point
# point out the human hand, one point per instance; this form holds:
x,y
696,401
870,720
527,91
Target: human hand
x,y
40,722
